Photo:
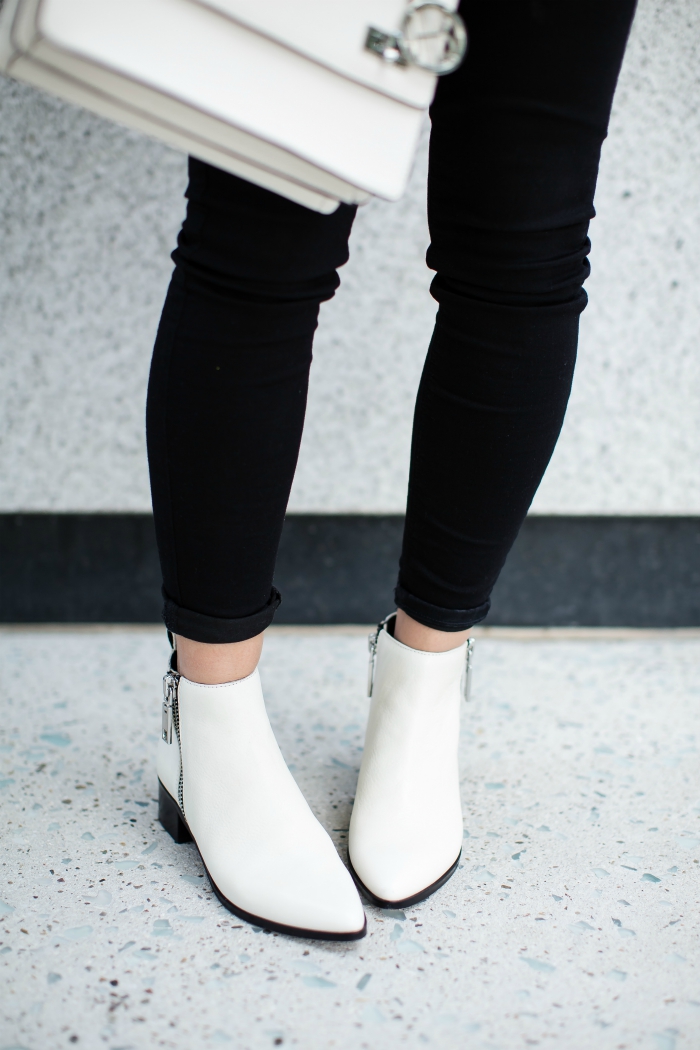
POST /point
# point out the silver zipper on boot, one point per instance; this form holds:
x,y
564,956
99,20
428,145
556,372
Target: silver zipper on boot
x,y
170,681
373,642
171,719
467,677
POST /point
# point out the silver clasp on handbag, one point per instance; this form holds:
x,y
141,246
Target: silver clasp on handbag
x,y
431,37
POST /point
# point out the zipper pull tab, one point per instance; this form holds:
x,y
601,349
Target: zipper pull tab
x,y
372,643
467,678
170,683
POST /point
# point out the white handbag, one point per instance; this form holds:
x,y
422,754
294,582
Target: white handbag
x,y
318,100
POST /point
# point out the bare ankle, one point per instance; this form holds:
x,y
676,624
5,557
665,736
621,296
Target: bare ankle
x,y
215,664
426,639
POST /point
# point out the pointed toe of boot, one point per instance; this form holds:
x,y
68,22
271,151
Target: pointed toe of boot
x,y
301,888
382,883
331,906
337,914
392,877
332,903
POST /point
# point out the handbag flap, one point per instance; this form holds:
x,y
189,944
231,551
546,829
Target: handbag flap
x,y
333,33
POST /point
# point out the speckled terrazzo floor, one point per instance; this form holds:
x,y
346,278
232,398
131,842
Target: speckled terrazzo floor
x,y
572,922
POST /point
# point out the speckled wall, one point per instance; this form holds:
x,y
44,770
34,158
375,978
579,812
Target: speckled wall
x,y
88,215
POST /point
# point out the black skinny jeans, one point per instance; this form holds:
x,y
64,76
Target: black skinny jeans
x,y
514,152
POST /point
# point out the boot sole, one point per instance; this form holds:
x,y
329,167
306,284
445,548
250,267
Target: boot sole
x,y
171,817
407,902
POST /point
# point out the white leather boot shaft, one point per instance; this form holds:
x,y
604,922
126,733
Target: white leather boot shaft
x,y
262,846
406,825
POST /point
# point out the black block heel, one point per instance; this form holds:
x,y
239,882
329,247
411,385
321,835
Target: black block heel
x,y
170,816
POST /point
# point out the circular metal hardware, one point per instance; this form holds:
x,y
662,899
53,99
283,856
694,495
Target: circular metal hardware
x,y
433,38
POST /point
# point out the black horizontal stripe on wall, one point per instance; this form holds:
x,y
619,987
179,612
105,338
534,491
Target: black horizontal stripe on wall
x,y
337,568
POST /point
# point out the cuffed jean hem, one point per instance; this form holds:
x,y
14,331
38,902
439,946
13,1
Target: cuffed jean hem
x,y
216,630
436,617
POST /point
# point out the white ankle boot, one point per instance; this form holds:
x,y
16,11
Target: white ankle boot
x,y
406,826
225,784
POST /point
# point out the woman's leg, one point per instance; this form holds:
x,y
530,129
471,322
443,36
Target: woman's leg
x,y
225,413
226,403
514,154
513,163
